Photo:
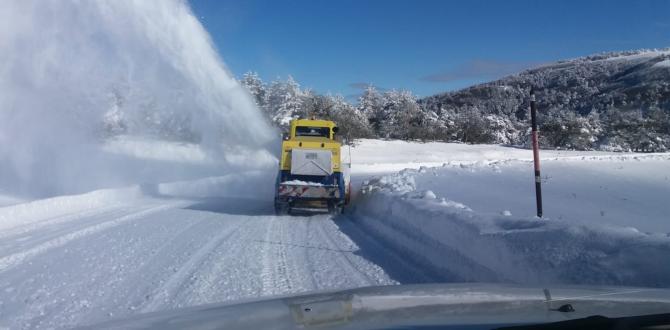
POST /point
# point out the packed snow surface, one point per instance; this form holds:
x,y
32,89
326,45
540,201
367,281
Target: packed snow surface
x,y
118,253
458,213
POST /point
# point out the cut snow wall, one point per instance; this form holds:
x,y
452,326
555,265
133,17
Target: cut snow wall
x,y
456,244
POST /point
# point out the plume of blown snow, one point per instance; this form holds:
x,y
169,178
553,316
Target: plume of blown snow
x,y
86,86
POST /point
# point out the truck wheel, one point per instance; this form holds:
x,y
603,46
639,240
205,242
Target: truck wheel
x,y
334,209
281,208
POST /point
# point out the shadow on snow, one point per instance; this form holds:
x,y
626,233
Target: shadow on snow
x,y
233,205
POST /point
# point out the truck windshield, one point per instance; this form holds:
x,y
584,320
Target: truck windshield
x,y
312,131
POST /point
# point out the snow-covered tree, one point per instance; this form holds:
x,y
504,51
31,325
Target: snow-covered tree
x,y
584,103
254,84
632,131
318,106
371,105
285,101
471,126
501,129
352,123
402,114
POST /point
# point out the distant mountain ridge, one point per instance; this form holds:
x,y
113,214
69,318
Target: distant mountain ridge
x,y
617,101
621,98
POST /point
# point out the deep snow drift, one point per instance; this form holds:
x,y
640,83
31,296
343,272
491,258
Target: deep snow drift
x,y
107,93
606,220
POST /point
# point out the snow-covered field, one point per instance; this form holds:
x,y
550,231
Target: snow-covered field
x,y
471,218
433,223
460,213
378,156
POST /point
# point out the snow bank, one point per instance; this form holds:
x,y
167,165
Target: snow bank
x,y
258,185
61,206
7,200
448,238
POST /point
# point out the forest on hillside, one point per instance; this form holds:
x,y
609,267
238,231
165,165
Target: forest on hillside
x,y
615,101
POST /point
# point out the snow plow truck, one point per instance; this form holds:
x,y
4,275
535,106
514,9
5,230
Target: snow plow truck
x,y
311,174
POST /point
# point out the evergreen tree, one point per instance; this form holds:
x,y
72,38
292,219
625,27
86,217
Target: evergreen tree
x,y
285,101
403,116
254,84
353,124
371,105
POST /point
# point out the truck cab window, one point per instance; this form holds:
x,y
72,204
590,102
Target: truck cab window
x,y
312,131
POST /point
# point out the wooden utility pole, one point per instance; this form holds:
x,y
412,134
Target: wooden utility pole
x,y
536,154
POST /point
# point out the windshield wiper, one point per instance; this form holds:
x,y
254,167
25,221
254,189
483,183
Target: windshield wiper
x,y
598,322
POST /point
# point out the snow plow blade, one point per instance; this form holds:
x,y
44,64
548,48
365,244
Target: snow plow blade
x,y
308,191
308,198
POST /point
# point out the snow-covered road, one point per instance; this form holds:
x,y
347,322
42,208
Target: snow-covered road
x,y
83,259
84,268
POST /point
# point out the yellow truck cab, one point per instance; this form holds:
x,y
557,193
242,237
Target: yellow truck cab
x,y
310,169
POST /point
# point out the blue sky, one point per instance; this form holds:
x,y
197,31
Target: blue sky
x,y
424,46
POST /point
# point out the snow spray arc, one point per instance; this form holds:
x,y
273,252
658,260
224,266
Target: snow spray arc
x,y
76,74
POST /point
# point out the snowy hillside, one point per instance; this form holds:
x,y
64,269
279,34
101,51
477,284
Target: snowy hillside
x,y
592,103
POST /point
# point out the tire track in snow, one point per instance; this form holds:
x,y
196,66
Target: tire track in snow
x,y
137,271
267,284
285,280
162,295
296,247
342,255
231,263
274,250
15,259
306,255
275,279
117,268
